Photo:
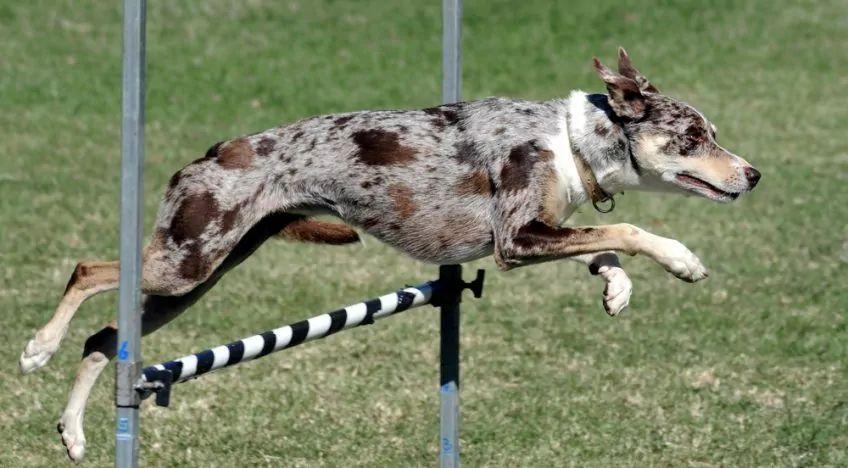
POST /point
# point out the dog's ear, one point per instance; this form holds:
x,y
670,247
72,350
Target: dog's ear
x,y
626,68
625,97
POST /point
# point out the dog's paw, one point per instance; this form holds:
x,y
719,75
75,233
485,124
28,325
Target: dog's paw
x,y
36,355
617,291
73,438
682,263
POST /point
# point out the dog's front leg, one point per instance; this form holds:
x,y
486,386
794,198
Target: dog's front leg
x,y
537,241
618,286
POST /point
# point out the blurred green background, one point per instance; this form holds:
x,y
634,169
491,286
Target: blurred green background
x,y
747,368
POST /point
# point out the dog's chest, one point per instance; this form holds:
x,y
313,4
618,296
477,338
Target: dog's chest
x,y
567,192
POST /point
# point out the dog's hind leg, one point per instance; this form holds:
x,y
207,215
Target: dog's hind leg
x,y
88,279
157,311
168,269
99,349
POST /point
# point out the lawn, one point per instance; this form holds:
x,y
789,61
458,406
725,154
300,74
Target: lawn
x,y
745,369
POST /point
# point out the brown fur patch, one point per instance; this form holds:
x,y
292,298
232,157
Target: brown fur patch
x,y
194,266
90,274
368,223
213,151
402,198
76,277
466,153
537,233
601,130
175,180
552,200
342,120
228,219
444,115
475,183
319,232
381,148
193,216
236,154
265,146
515,174
191,219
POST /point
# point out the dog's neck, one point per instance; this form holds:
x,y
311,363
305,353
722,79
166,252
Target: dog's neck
x,y
601,141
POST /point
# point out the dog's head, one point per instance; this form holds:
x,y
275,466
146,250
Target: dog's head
x,y
674,145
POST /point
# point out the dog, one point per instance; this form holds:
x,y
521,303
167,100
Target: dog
x,y
445,185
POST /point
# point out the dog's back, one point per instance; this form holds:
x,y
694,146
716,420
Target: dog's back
x,y
420,180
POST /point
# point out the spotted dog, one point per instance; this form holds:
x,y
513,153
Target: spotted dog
x,y
445,185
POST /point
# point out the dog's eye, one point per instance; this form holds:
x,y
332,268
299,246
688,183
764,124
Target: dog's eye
x,y
693,144
697,138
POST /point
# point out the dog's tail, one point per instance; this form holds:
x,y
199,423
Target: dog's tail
x,y
319,232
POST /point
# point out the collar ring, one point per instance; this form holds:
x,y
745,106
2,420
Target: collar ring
x,y
602,209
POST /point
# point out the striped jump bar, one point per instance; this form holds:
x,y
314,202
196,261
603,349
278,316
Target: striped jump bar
x,y
256,346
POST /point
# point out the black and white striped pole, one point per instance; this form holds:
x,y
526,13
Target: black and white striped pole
x,y
129,306
449,321
156,378
444,292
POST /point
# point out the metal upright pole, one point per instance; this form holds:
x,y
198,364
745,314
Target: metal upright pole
x,y
451,278
450,274
129,310
451,50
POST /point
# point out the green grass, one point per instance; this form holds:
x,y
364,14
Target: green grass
x,y
747,368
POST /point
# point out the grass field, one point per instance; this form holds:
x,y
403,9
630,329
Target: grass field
x,y
745,369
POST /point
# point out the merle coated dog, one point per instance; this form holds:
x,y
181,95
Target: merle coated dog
x,y
448,184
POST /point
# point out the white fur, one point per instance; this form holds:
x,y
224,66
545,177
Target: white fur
x,y
70,425
613,178
40,349
572,191
618,289
577,111
618,285
675,257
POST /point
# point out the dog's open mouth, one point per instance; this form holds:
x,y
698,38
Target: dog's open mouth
x,y
702,187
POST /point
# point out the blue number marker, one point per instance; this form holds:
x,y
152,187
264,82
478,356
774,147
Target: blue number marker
x,y
447,446
123,352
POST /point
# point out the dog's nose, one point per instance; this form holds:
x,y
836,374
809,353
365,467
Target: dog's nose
x,y
753,176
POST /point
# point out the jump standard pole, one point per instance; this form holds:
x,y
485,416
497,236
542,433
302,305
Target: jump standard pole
x,y
129,302
449,315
